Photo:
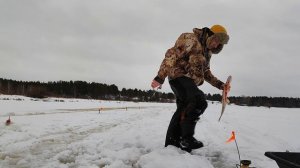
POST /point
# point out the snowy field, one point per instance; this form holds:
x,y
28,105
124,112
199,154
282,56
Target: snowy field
x,y
70,133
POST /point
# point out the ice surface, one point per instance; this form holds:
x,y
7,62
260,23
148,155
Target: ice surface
x,y
67,133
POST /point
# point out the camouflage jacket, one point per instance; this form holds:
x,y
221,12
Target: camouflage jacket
x,y
188,58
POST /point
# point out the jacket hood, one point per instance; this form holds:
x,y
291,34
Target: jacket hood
x,y
197,31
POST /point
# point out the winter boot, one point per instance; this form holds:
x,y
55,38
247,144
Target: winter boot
x,y
188,144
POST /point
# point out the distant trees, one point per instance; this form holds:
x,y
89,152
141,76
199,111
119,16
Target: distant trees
x,y
260,101
266,101
215,97
82,89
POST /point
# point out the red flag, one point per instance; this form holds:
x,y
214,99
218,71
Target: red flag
x,y
232,138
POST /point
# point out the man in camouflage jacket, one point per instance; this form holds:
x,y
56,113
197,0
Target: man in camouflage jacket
x,y
187,65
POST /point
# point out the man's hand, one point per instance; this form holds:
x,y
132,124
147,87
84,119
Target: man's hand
x,y
155,84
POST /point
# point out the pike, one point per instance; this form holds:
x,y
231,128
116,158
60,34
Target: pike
x,y
225,100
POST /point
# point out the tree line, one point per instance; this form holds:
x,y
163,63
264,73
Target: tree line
x,y
260,101
82,89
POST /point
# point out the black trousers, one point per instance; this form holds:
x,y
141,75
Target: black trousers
x,y
191,103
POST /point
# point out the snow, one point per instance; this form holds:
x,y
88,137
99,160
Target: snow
x,y
71,133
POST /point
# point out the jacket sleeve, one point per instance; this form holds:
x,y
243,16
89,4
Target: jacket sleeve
x,y
210,78
166,65
182,47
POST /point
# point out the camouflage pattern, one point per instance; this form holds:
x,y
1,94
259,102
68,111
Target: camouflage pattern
x,y
187,58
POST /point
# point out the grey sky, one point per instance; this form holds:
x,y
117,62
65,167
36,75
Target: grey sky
x,y
123,42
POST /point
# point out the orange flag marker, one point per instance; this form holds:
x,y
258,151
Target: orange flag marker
x,y
8,121
232,138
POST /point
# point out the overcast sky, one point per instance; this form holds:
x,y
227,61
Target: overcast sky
x,y
123,42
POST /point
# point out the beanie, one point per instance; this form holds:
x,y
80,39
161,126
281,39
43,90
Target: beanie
x,y
221,33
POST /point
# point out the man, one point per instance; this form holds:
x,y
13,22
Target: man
x,y
187,65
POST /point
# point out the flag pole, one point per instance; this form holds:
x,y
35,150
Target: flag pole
x,y
238,151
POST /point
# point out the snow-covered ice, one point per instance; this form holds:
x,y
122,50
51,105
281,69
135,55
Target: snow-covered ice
x,y
71,133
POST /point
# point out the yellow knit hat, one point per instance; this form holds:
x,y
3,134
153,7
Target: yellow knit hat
x,y
221,33
218,29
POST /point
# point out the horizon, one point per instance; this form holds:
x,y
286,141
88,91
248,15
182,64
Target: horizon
x,y
120,88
